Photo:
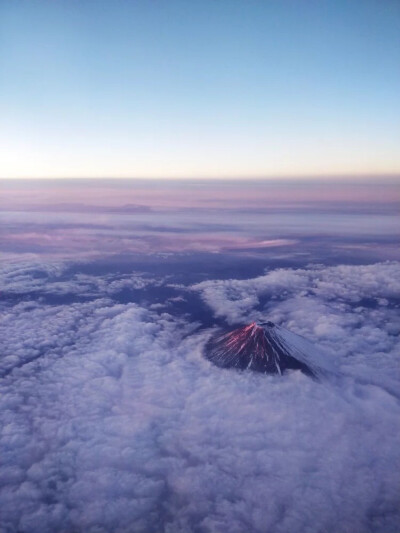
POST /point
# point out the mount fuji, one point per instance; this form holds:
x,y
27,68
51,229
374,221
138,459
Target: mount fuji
x,y
270,349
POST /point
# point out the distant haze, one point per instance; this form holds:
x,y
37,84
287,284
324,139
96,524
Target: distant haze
x,y
96,218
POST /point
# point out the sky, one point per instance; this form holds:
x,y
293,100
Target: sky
x,y
199,89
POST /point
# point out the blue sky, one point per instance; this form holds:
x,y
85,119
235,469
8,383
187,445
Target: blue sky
x,y
199,89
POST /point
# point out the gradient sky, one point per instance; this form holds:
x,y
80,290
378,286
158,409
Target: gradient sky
x,y
199,88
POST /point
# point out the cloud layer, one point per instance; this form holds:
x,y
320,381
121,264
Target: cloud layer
x,y
112,420
78,219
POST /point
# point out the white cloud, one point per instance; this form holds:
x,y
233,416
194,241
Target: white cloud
x,y
49,278
121,425
232,298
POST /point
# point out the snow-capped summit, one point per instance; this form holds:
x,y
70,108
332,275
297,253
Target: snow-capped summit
x,y
268,348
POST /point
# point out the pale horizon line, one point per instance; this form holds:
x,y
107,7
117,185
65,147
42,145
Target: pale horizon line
x,y
288,177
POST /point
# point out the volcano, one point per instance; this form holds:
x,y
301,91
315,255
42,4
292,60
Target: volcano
x,y
267,348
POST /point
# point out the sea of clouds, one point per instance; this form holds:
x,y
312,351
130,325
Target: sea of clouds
x,y
112,420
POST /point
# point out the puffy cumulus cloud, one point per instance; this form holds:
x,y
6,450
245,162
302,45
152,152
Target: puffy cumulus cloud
x,y
119,424
28,276
235,299
22,278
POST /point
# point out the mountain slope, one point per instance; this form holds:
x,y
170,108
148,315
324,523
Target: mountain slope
x,y
267,348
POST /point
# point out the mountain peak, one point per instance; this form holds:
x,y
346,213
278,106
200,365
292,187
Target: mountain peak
x,y
267,348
